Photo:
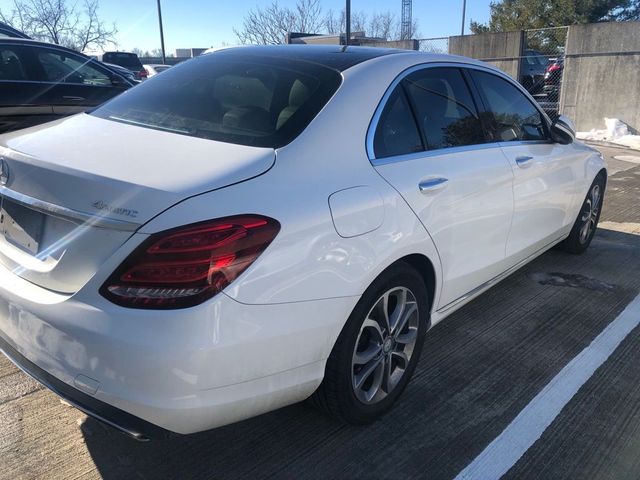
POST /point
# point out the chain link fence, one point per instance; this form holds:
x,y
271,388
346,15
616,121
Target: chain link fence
x,y
434,45
542,65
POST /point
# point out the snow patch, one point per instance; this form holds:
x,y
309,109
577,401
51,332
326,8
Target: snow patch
x,y
616,131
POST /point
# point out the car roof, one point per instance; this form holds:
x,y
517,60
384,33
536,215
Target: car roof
x,y
12,32
340,57
336,57
121,52
29,41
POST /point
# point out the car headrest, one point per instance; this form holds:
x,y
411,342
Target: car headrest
x,y
299,94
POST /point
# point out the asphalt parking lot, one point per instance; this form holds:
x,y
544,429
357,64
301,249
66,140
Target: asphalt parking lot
x,y
482,369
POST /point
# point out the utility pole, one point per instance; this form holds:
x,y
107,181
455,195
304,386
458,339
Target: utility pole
x,y
164,56
347,20
464,13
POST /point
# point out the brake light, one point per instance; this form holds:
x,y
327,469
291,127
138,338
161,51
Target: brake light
x,y
185,266
143,73
553,68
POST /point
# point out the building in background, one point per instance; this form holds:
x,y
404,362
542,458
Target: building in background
x,y
189,52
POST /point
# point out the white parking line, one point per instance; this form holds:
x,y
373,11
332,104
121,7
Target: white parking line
x,y
506,449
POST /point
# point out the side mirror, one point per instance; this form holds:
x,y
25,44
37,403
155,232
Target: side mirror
x,y
563,130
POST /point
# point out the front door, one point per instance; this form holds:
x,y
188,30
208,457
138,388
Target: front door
x,y
430,146
545,173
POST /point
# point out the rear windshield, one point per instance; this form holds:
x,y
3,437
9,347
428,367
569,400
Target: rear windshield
x,y
243,99
126,60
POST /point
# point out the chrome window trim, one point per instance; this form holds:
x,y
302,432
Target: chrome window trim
x,y
453,150
373,124
75,216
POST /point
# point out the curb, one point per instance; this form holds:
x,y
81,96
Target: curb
x,y
604,143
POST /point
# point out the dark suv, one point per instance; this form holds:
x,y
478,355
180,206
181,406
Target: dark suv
x,y
130,61
40,82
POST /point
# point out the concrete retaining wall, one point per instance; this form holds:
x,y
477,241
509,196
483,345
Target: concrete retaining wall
x,y
602,74
500,49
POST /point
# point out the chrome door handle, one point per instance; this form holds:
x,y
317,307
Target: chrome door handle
x,y
75,99
432,184
524,162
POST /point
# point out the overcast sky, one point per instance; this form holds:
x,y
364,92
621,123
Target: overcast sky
x,y
207,23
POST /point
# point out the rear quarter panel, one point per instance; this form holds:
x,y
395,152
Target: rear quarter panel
x,y
309,260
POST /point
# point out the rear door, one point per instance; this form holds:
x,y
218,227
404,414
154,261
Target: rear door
x,y
74,82
22,103
545,173
429,144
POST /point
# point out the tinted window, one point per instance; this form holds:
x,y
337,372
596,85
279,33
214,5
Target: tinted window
x,y
396,133
514,117
12,64
237,98
64,68
124,59
444,108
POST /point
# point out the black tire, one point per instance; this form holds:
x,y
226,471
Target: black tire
x,y
337,393
577,242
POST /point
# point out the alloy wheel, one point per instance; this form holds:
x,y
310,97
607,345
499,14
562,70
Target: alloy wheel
x,y
590,211
385,344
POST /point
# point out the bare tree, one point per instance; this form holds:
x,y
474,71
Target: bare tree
x,y
140,53
61,22
384,25
270,24
335,24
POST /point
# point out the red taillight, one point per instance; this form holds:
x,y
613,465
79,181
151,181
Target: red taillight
x,y
553,68
143,73
185,266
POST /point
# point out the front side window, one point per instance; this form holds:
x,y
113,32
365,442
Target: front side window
x,y
513,116
60,67
234,98
396,133
444,108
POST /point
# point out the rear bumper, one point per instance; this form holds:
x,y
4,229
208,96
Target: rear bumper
x,y
131,425
180,370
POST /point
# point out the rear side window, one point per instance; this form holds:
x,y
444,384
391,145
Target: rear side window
x,y
396,133
243,99
444,108
13,65
64,68
513,116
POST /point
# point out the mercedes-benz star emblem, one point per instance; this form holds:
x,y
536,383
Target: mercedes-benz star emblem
x,y
4,172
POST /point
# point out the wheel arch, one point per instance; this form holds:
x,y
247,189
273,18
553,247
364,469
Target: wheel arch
x,y
423,265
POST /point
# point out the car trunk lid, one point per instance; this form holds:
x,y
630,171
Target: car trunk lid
x,y
74,191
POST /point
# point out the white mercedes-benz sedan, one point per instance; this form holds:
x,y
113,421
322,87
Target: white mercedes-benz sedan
x,y
261,225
